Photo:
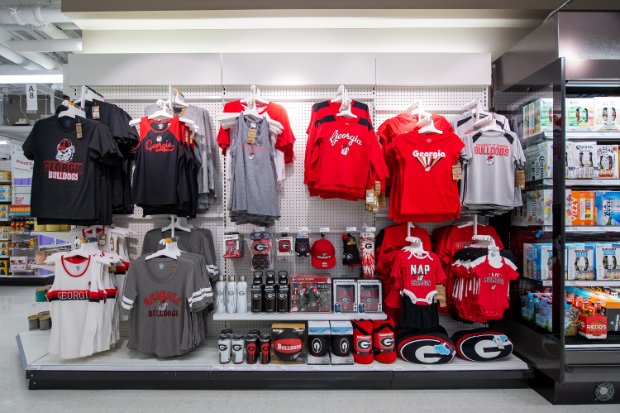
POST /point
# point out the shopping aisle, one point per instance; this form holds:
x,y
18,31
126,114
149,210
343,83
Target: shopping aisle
x,y
15,302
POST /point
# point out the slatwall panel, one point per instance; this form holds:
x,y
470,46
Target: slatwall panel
x,y
297,208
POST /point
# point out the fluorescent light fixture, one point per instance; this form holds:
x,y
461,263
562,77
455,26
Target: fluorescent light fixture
x,y
34,78
4,142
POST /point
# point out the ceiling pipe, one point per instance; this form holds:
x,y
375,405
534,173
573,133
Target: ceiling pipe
x,y
36,16
46,46
18,59
22,58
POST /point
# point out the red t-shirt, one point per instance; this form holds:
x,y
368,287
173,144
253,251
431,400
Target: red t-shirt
x,y
406,122
285,140
423,184
344,152
416,277
395,238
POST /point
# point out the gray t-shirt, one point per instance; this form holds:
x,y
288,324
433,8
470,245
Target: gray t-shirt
x,y
198,241
464,124
254,197
162,293
491,159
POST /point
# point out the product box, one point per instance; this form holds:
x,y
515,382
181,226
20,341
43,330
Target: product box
x,y
311,294
538,206
537,261
370,296
607,261
580,263
527,129
606,162
519,215
593,327
580,160
607,208
610,304
541,116
606,114
580,114
545,160
341,342
532,168
345,296
319,333
581,208
288,343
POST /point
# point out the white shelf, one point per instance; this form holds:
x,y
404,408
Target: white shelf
x,y
582,283
33,347
584,230
67,236
593,136
589,182
298,316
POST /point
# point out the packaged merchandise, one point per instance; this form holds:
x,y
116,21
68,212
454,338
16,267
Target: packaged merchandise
x,y
341,342
537,261
260,248
311,293
606,161
581,208
580,263
318,342
580,159
285,246
537,117
607,261
345,295
284,292
323,254
545,160
606,118
370,296
607,208
532,169
233,245
519,215
289,343
363,341
580,114
538,207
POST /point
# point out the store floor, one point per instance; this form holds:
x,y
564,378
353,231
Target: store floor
x,y
17,302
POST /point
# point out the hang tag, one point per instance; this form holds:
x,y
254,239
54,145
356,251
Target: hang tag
x,y
520,179
370,197
96,114
173,267
251,140
102,240
457,171
500,340
78,130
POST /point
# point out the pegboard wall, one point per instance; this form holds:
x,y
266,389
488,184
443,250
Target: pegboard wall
x,y
297,208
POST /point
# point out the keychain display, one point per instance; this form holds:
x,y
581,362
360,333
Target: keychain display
x,y
261,247
367,243
233,245
350,251
285,245
302,243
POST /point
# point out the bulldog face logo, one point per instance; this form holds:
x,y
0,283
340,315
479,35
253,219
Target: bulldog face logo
x,y
66,151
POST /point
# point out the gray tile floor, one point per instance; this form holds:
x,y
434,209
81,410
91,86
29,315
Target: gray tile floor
x,y
17,302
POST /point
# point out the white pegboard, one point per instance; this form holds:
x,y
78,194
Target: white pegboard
x,y
297,208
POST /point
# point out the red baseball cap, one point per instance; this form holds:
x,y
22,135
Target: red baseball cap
x,y
323,254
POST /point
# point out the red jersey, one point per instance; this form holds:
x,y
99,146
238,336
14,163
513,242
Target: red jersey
x,y
406,122
457,238
422,182
344,152
415,277
277,112
394,237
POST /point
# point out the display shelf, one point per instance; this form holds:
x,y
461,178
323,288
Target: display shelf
x,y
298,316
590,182
124,368
583,283
580,342
26,279
66,236
592,136
584,230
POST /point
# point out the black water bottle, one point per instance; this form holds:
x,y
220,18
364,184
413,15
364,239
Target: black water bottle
x,y
256,292
283,292
270,292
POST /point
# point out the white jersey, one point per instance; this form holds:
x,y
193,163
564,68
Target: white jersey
x,y
75,306
491,159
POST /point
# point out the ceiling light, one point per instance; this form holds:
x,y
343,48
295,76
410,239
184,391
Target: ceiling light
x,y
24,79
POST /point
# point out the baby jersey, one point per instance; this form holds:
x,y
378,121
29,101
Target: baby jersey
x,y
75,306
493,289
416,276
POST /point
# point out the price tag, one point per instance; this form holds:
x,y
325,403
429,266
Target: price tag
x,y
251,140
370,196
324,230
96,114
457,171
520,178
78,130
351,229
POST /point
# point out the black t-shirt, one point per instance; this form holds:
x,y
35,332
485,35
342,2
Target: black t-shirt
x,y
158,158
67,176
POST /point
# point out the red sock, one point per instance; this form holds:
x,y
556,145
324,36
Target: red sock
x,y
384,341
362,341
